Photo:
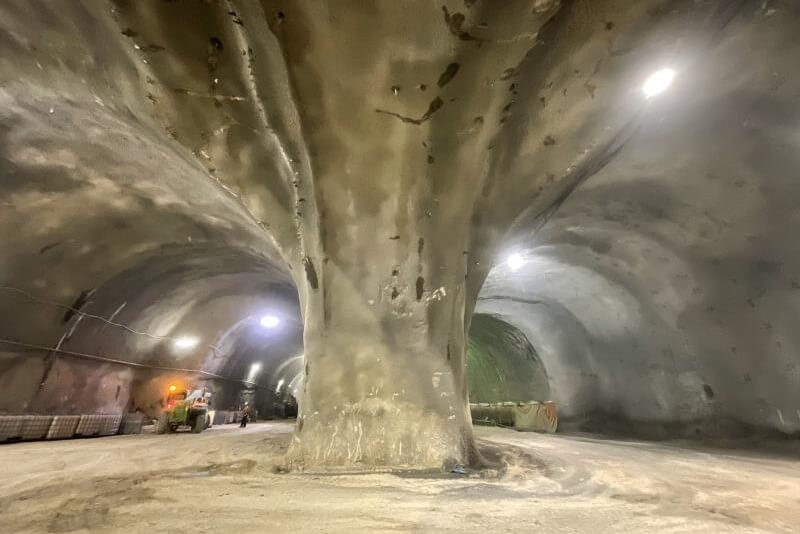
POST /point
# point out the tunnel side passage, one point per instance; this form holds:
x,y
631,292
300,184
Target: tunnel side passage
x,y
502,365
506,379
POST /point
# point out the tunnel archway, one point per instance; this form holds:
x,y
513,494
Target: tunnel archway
x,y
502,365
184,313
266,359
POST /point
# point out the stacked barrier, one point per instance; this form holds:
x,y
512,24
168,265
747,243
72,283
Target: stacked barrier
x,y
10,427
89,425
525,416
35,427
63,426
109,425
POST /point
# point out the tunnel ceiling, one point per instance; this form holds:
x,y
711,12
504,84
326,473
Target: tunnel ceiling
x,y
155,160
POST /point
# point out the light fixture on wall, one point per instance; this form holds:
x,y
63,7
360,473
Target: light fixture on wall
x,y
658,82
186,342
269,321
515,261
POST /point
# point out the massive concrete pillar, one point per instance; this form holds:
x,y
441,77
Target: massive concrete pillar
x,y
397,135
429,131
384,383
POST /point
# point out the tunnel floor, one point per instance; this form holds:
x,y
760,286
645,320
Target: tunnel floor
x,y
225,480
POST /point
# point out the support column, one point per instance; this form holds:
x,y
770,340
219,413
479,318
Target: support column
x,y
384,375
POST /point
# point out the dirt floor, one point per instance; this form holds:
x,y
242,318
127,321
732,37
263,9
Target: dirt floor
x,y
224,480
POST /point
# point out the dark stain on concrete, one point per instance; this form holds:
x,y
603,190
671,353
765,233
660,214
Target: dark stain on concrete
x,y
48,247
454,24
449,73
311,273
420,287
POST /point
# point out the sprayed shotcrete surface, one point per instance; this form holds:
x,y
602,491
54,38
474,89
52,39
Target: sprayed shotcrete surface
x,y
224,480
180,168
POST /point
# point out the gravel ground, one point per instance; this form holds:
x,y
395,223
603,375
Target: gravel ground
x,y
225,480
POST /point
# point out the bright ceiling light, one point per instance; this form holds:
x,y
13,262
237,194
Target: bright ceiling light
x,y
658,82
515,261
269,321
186,342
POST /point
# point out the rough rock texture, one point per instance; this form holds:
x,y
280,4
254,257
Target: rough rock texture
x,y
385,155
662,295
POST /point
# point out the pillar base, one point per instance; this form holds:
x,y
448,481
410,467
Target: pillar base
x,y
375,434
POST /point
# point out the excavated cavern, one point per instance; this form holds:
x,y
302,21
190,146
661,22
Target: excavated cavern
x,y
391,219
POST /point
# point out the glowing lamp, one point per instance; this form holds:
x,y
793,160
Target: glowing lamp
x,y
658,82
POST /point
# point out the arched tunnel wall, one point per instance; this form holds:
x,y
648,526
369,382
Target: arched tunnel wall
x,y
107,209
117,346
662,295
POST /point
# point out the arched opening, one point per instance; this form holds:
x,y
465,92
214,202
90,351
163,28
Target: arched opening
x,y
204,315
506,380
502,365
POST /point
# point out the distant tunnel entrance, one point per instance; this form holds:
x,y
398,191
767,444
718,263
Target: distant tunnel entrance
x,y
502,365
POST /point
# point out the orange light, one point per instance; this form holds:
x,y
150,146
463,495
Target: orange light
x,y
172,388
